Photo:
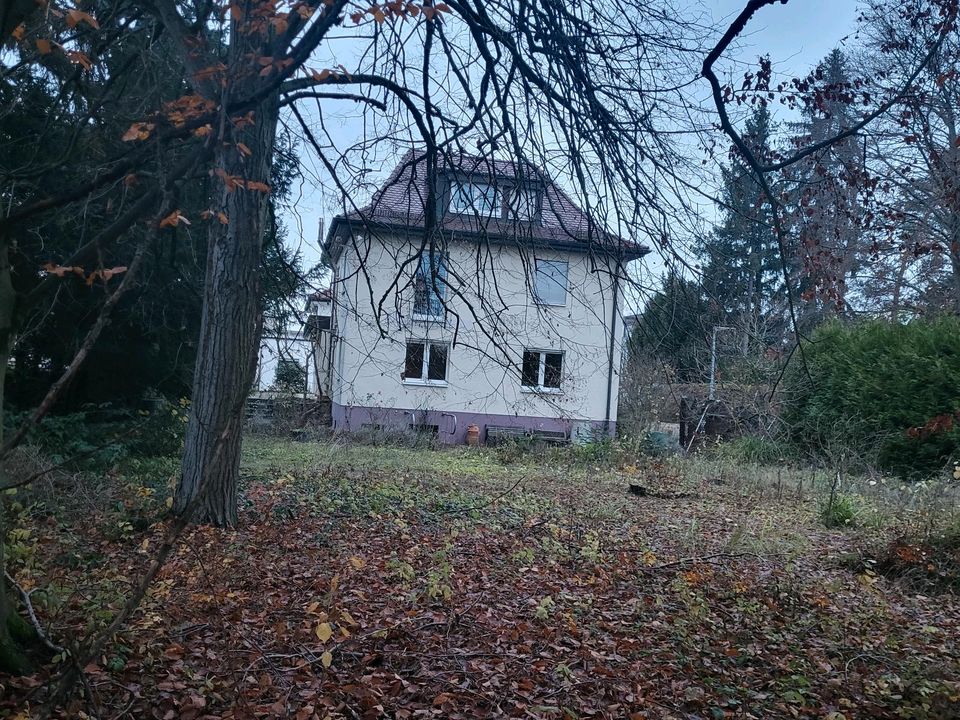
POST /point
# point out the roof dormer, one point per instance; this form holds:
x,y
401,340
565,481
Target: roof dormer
x,y
499,198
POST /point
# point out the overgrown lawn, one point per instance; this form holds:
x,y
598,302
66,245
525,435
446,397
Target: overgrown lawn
x,y
371,582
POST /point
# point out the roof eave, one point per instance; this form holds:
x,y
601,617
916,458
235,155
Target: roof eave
x,y
626,252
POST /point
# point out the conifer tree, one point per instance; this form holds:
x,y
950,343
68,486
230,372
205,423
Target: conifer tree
x,y
740,257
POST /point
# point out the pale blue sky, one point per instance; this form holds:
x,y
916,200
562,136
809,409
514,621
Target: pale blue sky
x,y
795,35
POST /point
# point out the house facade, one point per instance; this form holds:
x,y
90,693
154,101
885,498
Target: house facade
x,y
493,301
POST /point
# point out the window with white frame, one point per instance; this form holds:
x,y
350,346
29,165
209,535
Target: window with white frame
x,y
523,204
426,362
428,287
550,282
542,369
475,197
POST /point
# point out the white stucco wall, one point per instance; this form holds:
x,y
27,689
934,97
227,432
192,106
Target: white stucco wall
x,y
289,347
487,329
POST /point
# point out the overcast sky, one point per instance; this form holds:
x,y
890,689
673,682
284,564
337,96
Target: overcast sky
x,y
796,36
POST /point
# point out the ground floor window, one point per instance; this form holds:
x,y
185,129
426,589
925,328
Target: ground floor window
x,y
425,362
541,369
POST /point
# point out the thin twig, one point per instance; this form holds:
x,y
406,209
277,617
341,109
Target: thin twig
x,y
710,558
34,620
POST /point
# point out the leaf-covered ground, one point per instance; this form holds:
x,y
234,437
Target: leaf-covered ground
x,y
384,582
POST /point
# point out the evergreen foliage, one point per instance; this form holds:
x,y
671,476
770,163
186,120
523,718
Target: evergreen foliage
x,y
741,256
873,384
827,192
671,328
291,377
151,343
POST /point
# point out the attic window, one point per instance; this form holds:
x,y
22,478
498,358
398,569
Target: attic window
x,y
523,204
475,197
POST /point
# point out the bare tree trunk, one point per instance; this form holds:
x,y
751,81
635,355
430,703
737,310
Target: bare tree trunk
x,y
898,289
954,252
231,319
12,658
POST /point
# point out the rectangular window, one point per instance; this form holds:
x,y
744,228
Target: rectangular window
x,y
425,362
530,373
475,197
428,287
550,282
541,369
437,363
523,204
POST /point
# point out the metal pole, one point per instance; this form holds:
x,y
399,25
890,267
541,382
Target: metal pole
x,y
713,361
713,366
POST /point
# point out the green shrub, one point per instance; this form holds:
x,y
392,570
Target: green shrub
x,y
595,451
755,450
513,450
658,444
869,384
839,511
104,435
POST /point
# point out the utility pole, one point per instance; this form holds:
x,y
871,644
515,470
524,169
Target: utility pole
x,y
713,361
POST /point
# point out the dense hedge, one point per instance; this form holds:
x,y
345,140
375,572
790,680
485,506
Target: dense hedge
x,y
870,383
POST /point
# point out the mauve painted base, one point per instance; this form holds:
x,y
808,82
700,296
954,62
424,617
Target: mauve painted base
x,y
452,426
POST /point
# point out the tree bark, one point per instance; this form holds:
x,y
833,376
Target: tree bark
x,y
12,658
231,318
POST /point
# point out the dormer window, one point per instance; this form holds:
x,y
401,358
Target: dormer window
x,y
523,204
475,197
502,201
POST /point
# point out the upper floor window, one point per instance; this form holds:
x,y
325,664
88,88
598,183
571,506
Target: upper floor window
x,y
550,282
428,287
475,197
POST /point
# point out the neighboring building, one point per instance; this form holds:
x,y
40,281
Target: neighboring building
x,y
308,348
505,313
277,349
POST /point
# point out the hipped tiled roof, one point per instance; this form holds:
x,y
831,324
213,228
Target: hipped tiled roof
x,y
400,204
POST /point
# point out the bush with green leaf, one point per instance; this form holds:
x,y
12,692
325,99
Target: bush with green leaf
x,y
102,436
839,511
756,450
864,387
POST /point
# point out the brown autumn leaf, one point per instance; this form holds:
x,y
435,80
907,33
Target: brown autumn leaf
x,y
174,219
105,274
138,131
79,58
75,17
62,270
255,185
44,47
231,182
19,32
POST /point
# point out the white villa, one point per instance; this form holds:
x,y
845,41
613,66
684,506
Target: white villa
x,y
504,312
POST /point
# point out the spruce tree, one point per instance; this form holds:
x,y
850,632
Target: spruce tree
x,y
740,257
